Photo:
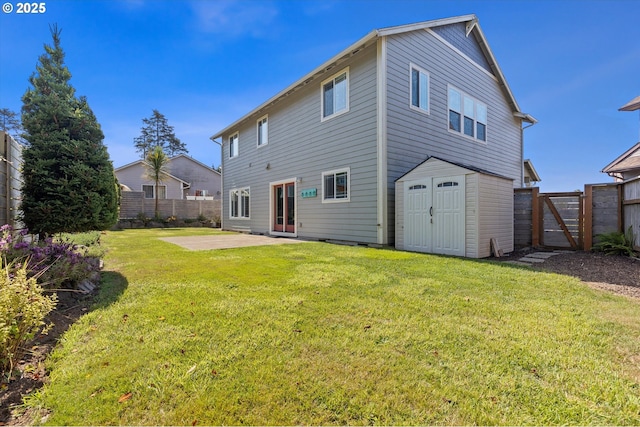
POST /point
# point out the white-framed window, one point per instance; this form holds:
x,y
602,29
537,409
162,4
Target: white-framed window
x,y
336,186
419,93
335,95
239,203
263,131
149,191
467,115
233,145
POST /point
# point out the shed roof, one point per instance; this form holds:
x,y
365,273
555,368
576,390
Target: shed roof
x,y
462,165
472,25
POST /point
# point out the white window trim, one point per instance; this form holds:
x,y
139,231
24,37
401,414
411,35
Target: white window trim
x,y
412,67
240,205
265,117
237,137
153,189
334,172
462,116
346,109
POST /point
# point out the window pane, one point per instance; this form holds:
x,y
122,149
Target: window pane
x,y
245,203
162,192
468,107
415,97
148,191
340,91
454,121
341,185
234,204
481,131
454,100
328,99
481,113
263,132
468,126
424,86
329,191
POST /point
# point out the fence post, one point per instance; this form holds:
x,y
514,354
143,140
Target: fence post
x,y
535,218
588,217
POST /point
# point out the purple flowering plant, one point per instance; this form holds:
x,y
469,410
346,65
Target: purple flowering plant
x,y
56,264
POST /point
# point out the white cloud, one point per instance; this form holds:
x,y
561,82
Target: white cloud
x,y
234,17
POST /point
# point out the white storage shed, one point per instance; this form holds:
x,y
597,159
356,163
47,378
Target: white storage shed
x,y
453,209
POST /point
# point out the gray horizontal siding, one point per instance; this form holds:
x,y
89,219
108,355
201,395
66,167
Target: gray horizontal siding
x,y
413,136
302,146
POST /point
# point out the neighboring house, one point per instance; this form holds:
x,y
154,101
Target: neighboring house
x,y
187,178
626,166
531,177
320,159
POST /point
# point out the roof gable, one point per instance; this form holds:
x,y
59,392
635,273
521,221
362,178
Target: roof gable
x,y
629,160
460,165
471,26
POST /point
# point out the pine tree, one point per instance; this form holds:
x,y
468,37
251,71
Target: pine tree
x,y
158,133
69,183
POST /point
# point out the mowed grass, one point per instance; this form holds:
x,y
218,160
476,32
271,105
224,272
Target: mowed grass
x,y
320,334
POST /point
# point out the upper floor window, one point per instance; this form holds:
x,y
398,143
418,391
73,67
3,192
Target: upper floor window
x,y
335,186
335,95
419,89
467,115
263,131
233,145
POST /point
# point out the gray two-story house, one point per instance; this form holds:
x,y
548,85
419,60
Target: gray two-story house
x,y
320,159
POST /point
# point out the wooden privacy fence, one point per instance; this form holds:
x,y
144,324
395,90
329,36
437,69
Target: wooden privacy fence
x,y
573,220
133,204
10,178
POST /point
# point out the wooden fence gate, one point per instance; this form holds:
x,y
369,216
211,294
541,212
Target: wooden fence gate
x,y
561,216
574,220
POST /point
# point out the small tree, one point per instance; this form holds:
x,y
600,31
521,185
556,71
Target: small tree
x,y
158,133
156,169
68,180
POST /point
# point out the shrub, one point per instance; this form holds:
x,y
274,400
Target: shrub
x,y
23,307
55,264
616,243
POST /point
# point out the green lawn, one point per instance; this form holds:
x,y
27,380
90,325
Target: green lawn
x,y
315,333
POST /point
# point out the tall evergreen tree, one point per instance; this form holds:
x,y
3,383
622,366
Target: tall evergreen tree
x,y
157,132
69,183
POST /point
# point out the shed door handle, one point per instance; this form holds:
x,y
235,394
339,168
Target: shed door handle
x,y
431,211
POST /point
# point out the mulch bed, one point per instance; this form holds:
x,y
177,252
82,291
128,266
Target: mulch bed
x,y
616,274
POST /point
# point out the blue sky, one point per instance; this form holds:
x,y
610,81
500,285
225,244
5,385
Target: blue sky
x,y
203,64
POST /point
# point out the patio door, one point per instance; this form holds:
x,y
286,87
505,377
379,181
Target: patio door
x,y
284,207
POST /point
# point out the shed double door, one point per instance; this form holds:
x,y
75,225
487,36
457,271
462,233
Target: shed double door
x,y
434,218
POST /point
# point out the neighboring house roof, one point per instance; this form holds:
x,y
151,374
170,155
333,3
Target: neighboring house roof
x,y
471,25
632,105
629,160
195,161
141,162
531,171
